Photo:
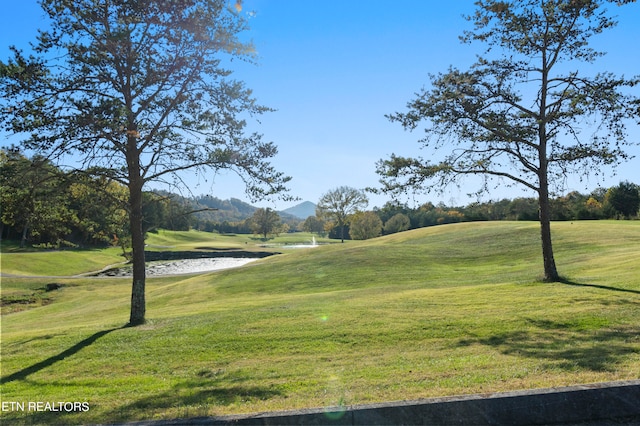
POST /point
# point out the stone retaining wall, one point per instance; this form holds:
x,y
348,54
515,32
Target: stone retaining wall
x,y
614,403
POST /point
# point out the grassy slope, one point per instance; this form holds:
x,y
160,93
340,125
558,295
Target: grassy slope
x,y
58,262
195,240
438,311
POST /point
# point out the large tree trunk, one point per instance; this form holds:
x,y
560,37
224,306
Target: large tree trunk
x,y
138,304
25,232
550,271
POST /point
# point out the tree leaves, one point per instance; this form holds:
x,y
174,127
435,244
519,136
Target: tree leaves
x,y
519,116
519,113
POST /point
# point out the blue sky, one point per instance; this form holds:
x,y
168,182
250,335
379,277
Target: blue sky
x,y
333,68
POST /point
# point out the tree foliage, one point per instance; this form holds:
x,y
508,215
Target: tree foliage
x,y
138,90
397,223
49,207
625,198
338,204
520,115
99,206
32,198
365,225
265,222
313,224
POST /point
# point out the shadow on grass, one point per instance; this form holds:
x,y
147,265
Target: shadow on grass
x,y
194,398
602,287
14,247
25,372
33,339
568,345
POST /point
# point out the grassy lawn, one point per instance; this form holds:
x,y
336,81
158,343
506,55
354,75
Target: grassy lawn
x,y
57,262
439,311
195,240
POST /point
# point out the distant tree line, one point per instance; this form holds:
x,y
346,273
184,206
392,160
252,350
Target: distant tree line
x,y
41,205
618,202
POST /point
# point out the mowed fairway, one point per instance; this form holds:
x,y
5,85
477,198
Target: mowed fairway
x,y
446,310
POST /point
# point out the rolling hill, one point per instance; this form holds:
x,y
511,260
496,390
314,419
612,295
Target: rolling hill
x,y
438,311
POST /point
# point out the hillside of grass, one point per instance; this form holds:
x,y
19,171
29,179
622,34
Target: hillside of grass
x,y
67,262
197,240
447,310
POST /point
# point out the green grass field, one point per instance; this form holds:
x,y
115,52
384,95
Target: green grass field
x,y
446,310
57,262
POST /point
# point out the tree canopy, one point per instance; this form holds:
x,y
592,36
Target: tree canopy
x,y
625,198
139,92
524,113
265,221
337,204
365,225
397,223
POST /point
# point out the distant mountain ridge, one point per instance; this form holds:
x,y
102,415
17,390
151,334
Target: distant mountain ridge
x,y
302,210
231,210
235,210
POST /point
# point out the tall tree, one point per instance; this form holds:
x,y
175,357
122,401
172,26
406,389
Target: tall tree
x,y
139,90
520,116
265,222
336,205
625,198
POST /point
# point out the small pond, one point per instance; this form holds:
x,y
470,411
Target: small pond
x,y
178,263
184,266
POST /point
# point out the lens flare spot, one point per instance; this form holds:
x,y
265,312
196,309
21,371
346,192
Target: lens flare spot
x,y
324,318
335,413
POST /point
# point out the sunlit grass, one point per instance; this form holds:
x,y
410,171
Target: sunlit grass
x,y
439,311
190,240
58,262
